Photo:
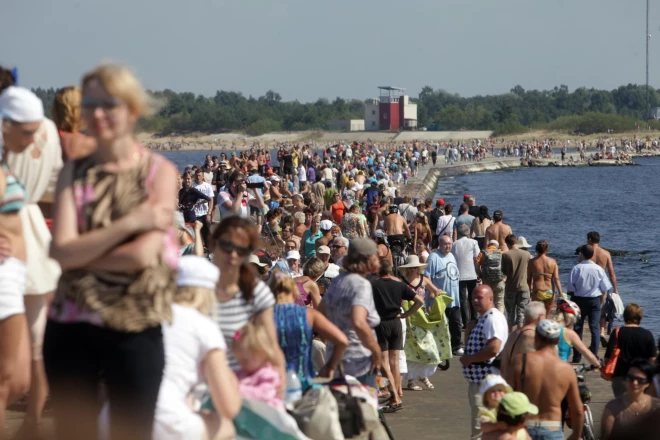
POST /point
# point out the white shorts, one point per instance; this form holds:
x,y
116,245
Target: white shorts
x,y
13,280
43,272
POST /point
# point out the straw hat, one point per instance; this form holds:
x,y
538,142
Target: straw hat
x,y
412,261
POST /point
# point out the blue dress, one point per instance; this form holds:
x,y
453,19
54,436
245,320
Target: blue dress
x,y
295,337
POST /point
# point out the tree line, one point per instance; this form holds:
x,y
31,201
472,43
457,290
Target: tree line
x,y
583,110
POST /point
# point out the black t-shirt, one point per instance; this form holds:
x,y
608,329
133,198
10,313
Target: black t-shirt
x,y
388,294
474,211
220,179
187,200
288,160
634,342
433,218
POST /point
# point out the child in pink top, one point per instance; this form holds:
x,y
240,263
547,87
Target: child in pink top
x,y
257,378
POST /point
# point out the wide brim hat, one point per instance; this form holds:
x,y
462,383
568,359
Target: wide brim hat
x,y
522,243
412,261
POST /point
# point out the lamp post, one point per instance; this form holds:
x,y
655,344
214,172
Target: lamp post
x,y
648,38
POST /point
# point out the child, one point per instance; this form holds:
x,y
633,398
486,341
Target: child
x,y
257,379
492,389
512,414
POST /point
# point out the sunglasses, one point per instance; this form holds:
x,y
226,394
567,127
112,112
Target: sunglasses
x,y
228,247
640,380
337,246
90,104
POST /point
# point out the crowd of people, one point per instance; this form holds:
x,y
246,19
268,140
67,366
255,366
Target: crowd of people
x,y
165,301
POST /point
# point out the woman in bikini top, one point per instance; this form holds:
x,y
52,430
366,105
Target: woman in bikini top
x,y
543,272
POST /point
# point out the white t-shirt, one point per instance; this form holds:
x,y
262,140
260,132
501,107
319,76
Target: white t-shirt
x,y
407,210
445,225
206,189
226,211
187,342
465,250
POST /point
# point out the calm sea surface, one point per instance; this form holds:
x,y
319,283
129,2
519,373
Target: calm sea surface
x,y
562,204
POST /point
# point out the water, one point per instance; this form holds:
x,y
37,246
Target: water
x,y
562,204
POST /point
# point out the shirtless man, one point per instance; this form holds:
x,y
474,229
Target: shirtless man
x,y
547,380
522,339
604,259
395,225
498,230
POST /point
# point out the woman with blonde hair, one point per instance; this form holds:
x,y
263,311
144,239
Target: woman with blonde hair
x,y
422,231
67,117
296,326
113,237
308,290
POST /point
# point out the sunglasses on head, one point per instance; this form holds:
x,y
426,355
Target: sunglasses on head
x,y
228,247
640,380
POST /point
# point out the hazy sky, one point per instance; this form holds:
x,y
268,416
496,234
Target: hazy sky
x,y
306,49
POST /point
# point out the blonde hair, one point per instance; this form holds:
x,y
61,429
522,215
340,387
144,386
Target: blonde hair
x,y
121,83
199,298
66,109
282,285
253,338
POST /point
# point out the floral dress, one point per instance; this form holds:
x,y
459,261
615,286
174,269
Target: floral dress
x,y
427,337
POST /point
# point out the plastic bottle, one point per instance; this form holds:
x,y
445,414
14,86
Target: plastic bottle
x,y
293,387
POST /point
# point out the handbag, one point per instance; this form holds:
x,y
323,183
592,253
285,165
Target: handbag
x,y
317,414
607,372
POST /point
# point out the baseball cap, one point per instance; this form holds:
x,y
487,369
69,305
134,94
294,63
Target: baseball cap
x,y
440,202
326,225
255,260
549,329
293,255
516,404
363,247
323,250
493,380
194,271
275,178
495,242
20,105
466,196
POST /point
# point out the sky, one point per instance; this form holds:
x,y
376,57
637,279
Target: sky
x,y
307,49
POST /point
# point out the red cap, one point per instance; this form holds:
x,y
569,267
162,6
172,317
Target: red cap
x,y
440,202
466,196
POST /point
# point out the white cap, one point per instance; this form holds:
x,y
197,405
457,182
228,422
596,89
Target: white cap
x,y
197,271
255,260
323,250
332,271
275,178
326,225
293,255
21,105
492,380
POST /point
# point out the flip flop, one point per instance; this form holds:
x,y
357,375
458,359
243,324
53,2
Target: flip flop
x,y
393,408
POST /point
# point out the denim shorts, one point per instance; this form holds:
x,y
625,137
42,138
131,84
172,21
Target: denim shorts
x,y
543,433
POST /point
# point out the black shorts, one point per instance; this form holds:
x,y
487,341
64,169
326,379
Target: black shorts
x,y
390,335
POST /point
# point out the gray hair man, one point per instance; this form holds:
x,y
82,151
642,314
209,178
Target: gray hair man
x,y
466,251
338,249
522,339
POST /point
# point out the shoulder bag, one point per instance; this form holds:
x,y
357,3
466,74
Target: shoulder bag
x,y
607,372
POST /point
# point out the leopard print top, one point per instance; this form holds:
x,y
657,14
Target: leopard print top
x,y
121,301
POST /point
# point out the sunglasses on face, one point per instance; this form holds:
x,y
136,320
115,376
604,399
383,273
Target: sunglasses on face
x,y
228,247
337,246
640,380
90,104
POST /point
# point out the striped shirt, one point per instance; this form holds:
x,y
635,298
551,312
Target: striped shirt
x,y
233,314
15,194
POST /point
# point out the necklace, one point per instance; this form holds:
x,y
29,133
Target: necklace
x,y
636,413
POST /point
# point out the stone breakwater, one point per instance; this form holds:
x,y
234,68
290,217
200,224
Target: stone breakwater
x,y
425,184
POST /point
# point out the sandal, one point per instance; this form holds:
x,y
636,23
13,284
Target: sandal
x,y
427,383
384,394
412,387
393,408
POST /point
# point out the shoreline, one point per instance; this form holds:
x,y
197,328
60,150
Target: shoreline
x,y
426,182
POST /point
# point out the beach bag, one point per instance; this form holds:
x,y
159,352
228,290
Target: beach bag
x,y
492,266
258,420
607,372
317,414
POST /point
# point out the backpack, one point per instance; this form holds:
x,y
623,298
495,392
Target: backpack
x,y
492,266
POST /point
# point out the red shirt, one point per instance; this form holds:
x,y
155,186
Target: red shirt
x,y
338,211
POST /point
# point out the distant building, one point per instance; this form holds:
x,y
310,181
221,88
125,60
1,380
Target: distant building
x,y
392,111
346,125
